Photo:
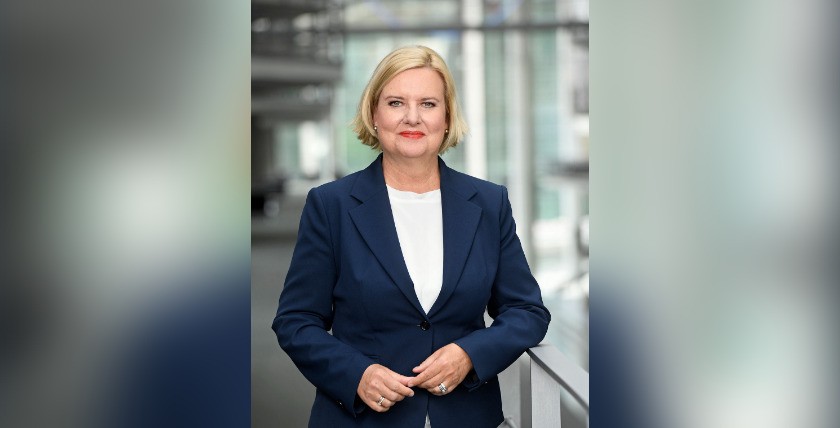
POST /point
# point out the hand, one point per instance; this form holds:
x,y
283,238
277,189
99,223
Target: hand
x,y
448,366
378,381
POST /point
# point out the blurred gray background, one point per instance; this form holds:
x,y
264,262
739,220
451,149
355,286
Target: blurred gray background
x,y
125,164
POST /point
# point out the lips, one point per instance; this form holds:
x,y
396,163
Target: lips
x,y
412,134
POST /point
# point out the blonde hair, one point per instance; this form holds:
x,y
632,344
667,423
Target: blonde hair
x,y
402,59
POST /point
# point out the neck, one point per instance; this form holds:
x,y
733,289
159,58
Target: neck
x,y
418,176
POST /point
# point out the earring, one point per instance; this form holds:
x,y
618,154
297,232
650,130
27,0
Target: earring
x,y
375,129
446,132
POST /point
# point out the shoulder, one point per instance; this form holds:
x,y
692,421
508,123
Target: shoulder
x,y
337,188
477,187
324,199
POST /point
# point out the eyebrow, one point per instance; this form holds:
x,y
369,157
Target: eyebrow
x,y
398,97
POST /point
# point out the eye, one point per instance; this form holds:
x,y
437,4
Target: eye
x,y
428,104
394,103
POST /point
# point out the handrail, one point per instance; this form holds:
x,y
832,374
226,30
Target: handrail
x,y
572,377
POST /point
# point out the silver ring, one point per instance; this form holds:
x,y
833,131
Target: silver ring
x,y
442,388
381,399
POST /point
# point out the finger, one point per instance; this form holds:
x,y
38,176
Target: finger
x,y
436,389
386,403
432,384
374,404
380,382
389,395
400,379
422,378
398,394
433,380
401,390
398,384
403,380
426,363
385,400
440,358
451,368
381,408
449,380
405,384
450,388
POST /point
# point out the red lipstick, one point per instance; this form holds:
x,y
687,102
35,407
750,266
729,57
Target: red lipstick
x,y
414,135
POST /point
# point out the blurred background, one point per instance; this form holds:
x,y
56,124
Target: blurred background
x,y
522,72
124,258
124,178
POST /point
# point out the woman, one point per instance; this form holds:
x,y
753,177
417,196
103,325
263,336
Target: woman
x,y
400,260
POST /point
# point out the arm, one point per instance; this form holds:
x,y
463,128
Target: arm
x,y
305,313
520,320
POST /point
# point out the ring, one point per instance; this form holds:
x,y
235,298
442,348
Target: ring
x,y
442,388
381,399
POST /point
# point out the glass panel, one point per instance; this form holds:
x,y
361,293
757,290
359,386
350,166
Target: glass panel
x,y
543,10
401,13
495,108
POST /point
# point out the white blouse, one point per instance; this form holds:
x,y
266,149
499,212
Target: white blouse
x,y
419,221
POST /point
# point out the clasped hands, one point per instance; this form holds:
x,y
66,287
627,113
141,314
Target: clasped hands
x,y
381,388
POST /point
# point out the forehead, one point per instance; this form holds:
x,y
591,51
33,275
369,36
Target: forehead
x,y
415,81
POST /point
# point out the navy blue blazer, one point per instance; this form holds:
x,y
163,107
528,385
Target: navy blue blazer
x,y
348,276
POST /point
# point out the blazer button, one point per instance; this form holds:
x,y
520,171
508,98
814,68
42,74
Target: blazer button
x,y
425,325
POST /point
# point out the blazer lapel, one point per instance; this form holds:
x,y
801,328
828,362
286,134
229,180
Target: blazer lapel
x,y
460,221
375,222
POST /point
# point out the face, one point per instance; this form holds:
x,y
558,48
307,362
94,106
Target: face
x,y
410,115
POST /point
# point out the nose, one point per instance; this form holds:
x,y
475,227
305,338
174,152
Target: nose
x,y
412,115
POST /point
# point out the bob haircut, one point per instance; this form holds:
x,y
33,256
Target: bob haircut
x,y
402,59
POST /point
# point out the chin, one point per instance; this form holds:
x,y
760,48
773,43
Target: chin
x,y
418,155
416,151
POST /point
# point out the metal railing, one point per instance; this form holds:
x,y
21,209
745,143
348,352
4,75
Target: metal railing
x,y
535,386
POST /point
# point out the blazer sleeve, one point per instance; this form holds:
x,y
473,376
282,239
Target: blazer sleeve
x,y
520,320
305,313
